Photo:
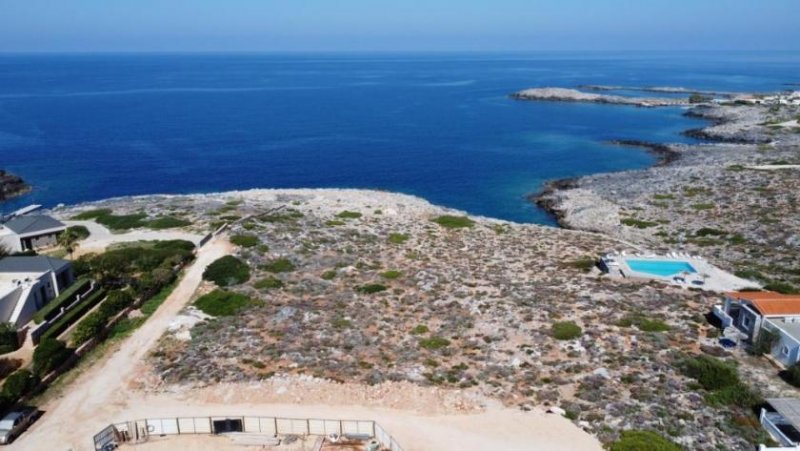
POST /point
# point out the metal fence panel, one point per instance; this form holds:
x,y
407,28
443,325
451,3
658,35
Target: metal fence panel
x,y
353,427
292,426
186,425
252,424
323,427
162,426
202,425
268,426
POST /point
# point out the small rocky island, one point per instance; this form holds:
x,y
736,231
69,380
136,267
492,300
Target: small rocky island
x,y
574,95
11,186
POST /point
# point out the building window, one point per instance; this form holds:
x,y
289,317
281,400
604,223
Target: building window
x,y
746,321
785,350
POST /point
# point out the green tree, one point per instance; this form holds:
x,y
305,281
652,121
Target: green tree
x,y
18,384
69,240
48,355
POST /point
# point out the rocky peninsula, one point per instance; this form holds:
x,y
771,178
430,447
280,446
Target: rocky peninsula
x,y
574,95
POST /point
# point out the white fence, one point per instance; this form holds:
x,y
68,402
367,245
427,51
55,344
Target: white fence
x,y
140,429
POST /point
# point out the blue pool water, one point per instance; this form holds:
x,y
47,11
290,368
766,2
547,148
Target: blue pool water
x,y
83,127
663,268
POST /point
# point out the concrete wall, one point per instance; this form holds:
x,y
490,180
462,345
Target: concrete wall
x,y
41,241
786,343
11,242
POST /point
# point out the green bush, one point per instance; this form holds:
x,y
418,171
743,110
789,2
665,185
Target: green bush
x,y
398,238
792,374
652,325
66,297
278,266
585,263
49,355
329,275
222,303
639,224
434,343
781,287
89,327
371,288
642,441
391,274
349,215
711,373
699,98
268,283
18,384
9,339
708,231
79,231
73,315
420,329
244,240
123,222
566,330
738,394
167,222
454,222
92,214
227,271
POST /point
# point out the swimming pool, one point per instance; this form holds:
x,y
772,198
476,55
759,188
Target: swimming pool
x,y
662,268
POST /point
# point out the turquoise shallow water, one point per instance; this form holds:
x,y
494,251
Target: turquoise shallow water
x,y
664,268
441,126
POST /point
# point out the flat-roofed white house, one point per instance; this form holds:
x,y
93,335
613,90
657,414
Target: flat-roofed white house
x,y
752,312
28,283
781,419
30,232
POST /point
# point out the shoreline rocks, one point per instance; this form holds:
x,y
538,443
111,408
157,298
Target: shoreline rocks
x,y
11,186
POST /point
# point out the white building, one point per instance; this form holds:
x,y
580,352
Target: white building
x,y
752,312
29,232
28,283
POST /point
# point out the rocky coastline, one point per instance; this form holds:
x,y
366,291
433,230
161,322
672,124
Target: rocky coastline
x,y
732,198
11,186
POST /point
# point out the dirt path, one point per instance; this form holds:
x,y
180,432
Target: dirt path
x,y
100,393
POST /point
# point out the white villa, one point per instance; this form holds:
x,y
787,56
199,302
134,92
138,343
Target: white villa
x,y
751,312
30,232
28,283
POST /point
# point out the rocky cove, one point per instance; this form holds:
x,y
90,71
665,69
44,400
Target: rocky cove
x,y
741,185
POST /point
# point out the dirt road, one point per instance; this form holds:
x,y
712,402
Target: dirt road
x,y
101,393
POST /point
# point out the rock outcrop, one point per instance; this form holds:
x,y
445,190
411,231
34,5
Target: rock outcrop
x,y
11,186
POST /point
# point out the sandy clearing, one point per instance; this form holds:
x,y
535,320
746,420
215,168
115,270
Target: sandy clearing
x,y
100,237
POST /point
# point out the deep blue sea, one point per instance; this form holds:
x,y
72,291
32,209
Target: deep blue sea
x,y
440,126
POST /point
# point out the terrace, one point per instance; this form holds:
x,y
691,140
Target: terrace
x,y
675,268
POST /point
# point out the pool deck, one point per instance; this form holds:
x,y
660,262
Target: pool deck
x,y
707,276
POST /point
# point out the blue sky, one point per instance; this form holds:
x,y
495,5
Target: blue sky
x,y
402,25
